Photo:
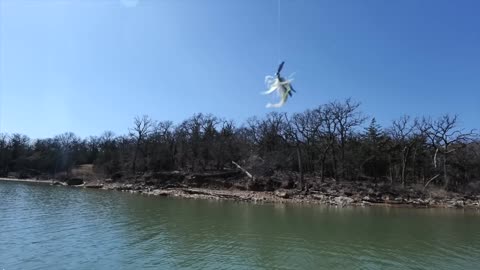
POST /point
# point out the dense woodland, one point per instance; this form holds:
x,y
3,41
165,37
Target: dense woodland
x,y
333,141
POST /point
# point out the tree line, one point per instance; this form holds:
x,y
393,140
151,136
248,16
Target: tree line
x,y
332,141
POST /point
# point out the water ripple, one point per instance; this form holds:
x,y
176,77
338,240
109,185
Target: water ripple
x,y
45,227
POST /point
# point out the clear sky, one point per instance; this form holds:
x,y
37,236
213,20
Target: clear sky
x,y
88,66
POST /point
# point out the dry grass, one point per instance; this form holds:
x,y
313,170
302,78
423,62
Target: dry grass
x,y
436,192
84,171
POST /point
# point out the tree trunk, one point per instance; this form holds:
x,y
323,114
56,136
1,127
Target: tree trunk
x,y
335,165
243,170
300,168
414,157
431,179
404,165
134,164
342,167
445,175
324,157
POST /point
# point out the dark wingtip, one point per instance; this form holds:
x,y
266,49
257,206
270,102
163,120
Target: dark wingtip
x,y
280,67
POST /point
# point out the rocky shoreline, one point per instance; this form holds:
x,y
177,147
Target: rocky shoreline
x,y
299,197
332,194
27,180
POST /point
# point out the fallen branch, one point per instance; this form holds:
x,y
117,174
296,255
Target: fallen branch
x,y
214,194
433,178
197,192
243,170
216,174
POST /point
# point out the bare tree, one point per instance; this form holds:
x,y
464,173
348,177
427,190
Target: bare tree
x,y
445,137
67,142
142,127
209,139
160,147
403,135
108,158
330,127
227,147
293,134
308,127
4,158
347,117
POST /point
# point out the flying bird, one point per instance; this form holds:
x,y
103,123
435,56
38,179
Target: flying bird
x,y
282,86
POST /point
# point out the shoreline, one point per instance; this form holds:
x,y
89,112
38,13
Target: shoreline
x,y
27,180
282,196
295,197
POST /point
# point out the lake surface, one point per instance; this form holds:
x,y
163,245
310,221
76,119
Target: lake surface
x,y
46,227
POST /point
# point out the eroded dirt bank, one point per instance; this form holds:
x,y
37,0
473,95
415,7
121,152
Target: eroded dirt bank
x,y
233,185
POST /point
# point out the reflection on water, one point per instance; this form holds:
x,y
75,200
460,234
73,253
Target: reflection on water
x,y
44,227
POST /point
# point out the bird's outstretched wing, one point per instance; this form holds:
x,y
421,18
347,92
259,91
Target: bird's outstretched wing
x,y
280,67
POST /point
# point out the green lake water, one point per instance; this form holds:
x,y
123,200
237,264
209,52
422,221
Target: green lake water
x,y
46,227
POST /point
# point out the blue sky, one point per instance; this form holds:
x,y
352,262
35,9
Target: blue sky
x,y
88,66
